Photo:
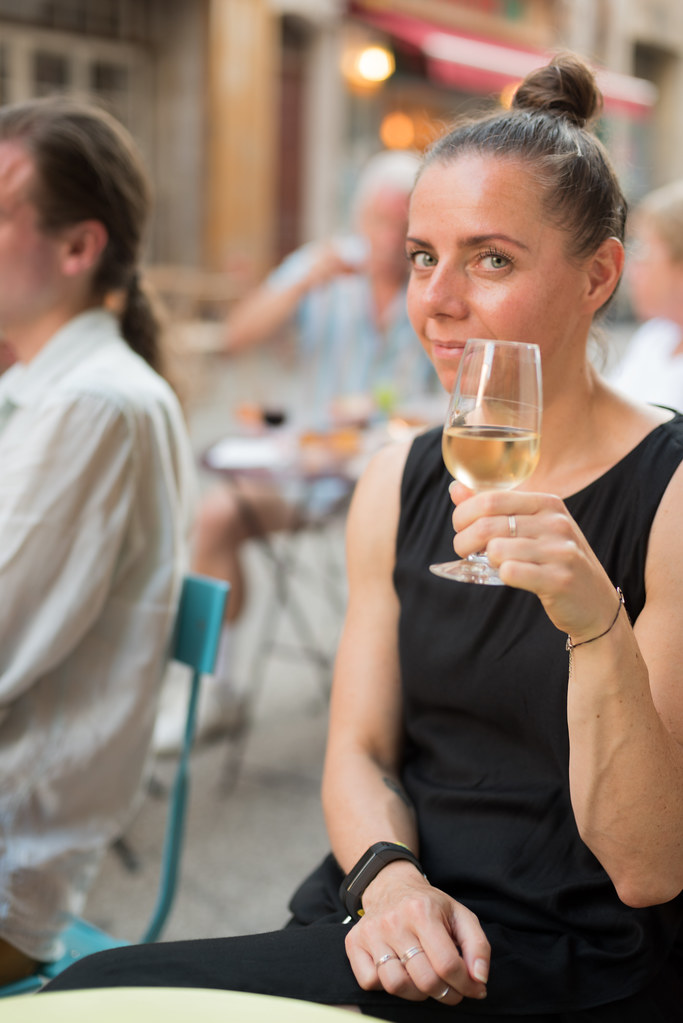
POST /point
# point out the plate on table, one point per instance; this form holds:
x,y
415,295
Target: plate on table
x,y
248,453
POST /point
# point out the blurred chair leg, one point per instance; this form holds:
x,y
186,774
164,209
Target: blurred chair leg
x,y
126,854
284,605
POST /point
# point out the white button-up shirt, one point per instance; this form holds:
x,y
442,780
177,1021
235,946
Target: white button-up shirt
x,y
96,494
650,370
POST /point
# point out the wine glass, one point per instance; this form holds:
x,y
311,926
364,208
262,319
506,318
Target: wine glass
x,y
491,436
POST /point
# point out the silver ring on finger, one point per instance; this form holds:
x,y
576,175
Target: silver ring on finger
x,y
512,526
443,993
385,959
414,951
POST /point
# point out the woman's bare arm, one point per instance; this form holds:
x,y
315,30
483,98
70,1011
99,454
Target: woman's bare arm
x,y
362,795
625,712
625,697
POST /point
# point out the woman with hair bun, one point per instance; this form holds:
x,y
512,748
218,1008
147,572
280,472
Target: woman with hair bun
x,y
503,785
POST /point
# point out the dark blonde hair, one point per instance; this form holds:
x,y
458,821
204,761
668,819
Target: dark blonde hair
x,y
548,129
88,168
663,211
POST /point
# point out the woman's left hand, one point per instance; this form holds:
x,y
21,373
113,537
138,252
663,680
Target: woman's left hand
x,y
536,545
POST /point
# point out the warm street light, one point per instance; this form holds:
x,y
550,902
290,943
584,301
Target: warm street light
x,y
397,130
376,64
366,64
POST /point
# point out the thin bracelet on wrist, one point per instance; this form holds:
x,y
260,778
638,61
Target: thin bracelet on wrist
x,y
572,646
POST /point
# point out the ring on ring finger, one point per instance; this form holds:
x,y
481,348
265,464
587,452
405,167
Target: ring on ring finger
x,y
443,993
414,951
385,959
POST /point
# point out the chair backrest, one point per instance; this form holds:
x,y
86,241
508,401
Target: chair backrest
x,y
195,643
197,634
199,621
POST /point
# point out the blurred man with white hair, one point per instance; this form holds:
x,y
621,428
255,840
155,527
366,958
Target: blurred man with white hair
x,y
345,297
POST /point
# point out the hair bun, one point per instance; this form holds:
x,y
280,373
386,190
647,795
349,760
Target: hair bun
x,y
565,87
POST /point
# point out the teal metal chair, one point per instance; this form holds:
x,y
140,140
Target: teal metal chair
x,y
195,643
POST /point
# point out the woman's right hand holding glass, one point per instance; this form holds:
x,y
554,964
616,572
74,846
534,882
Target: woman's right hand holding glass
x,y
416,942
548,554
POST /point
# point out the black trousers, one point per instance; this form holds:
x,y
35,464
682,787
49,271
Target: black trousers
x,y
310,963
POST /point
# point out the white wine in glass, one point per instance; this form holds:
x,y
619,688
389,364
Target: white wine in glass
x,y
491,437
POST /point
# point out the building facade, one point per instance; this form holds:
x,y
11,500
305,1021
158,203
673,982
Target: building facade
x,y
254,122
144,61
452,56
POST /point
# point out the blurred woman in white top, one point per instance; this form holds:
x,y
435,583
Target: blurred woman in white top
x,y
652,367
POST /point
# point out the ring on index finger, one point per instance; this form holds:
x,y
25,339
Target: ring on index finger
x,y
512,526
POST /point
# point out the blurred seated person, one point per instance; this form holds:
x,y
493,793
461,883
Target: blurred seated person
x,y
346,297
346,300
652,366
94,512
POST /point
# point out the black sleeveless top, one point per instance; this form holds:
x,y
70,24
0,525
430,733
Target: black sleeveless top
x,y
484,676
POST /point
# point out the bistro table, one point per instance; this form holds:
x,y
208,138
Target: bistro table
x,y
170,1005
315,473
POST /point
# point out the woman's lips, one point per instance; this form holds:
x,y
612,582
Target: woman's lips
x,y
447,349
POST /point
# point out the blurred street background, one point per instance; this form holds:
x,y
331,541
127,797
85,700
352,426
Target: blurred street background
x,y
255,117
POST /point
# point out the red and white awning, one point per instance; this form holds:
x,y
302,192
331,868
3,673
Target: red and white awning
x,y
481,66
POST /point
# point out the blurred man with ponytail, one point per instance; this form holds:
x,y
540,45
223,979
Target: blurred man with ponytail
x,y
94,511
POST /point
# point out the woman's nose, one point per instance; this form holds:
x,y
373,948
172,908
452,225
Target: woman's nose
x,y
445,294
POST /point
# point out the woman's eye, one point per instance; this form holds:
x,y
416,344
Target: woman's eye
x,y
495,260
422,260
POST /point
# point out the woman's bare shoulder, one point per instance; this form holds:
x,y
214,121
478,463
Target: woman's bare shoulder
x,y
374,513
385,469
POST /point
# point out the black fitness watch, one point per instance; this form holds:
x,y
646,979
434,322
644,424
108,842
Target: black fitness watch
x,y
367,869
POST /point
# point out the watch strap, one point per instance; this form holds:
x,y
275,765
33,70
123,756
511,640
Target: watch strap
x,y
366,870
